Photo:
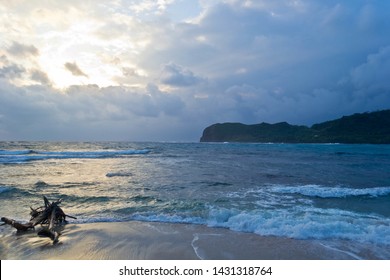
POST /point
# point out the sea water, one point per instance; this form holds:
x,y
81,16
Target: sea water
x,y
302,191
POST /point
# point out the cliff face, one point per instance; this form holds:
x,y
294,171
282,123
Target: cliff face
x,y
373,128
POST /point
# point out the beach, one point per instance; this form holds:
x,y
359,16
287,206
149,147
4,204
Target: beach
x,y
167,241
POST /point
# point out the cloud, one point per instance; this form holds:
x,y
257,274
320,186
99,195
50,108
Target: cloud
x,y
74,69
21,50
86,112
374,73
364,88
132,72
150,6
169,104
161,74
176,75
10,70
22,73
40,76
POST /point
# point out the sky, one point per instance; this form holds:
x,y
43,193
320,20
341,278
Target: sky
x,y
128,70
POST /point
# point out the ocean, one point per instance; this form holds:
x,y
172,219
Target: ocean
x,y
302,191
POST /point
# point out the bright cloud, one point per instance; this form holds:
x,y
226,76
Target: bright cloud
x,y
164,70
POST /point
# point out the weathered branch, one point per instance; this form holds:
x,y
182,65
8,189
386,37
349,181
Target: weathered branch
x,y
50,214
15,224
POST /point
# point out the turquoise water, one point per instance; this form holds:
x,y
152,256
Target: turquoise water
x,y
303,191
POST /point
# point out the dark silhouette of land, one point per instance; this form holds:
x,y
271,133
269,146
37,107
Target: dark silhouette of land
x,y
365,128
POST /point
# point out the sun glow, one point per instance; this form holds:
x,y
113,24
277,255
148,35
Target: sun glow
x,y
79,51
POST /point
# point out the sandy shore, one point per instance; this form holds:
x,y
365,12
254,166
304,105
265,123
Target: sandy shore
x,y
145,241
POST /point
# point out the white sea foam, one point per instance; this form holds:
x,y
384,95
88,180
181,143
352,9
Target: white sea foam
x,y
331,192
166,218
196,248
342,251
301,222
305,223
95,220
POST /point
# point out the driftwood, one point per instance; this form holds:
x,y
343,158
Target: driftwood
x,y
48,216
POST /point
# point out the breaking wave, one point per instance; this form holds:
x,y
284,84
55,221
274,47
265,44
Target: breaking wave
x,y
23,156
305,223
300,223
331,192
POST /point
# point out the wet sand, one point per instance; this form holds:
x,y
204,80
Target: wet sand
x,y
163,241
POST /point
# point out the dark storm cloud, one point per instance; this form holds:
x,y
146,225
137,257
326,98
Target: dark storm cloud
x,y
301,64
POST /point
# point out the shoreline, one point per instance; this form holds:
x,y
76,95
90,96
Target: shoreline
x,y
136,240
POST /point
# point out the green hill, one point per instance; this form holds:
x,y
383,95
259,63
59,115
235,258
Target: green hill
x,y
373,128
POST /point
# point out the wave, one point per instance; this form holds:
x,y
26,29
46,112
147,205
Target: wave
x,y
301,223
23,156
305,223
4,189
331,192
15,152
92,154
9,192
166,218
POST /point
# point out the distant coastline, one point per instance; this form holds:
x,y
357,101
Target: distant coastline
x,y
364,128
